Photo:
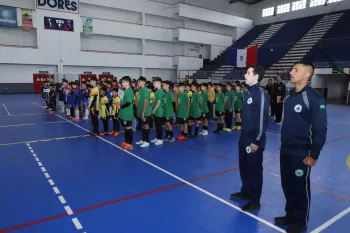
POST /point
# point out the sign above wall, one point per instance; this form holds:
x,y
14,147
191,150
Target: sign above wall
x,y
69,6
59,24
8,17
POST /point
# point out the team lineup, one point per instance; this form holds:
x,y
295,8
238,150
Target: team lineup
x,y
156,103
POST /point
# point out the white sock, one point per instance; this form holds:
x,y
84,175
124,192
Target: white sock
x,y
68,111
77,113
87,112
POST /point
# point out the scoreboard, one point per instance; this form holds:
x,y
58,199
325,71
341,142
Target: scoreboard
x,y
58,24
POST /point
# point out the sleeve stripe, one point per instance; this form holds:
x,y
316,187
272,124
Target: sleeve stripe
x,y
261,122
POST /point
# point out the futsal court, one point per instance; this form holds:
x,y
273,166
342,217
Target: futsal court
x,y
57,179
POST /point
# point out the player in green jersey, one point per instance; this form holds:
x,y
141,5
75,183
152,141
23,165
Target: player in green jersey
x,y
219,108
228,107
238,107
126,111
168,111
158,111
205,108
143,111
182,111
195,110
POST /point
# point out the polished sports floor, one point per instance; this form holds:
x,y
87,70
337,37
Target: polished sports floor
x,y
57,179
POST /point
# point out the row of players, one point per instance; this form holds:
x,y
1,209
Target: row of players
x,y
157,101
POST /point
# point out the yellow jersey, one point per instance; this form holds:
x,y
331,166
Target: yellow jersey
x,y
104,110
94,99
115,102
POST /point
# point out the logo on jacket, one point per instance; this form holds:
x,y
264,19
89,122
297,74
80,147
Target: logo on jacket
x,y
298,108
299,173
250,100
248,150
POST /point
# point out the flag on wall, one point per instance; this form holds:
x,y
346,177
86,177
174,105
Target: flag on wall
x,y
243,57
87,26
27,19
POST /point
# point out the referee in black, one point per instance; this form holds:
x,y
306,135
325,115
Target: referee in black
x,y
303,135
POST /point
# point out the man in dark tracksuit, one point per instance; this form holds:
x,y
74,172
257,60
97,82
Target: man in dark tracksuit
x,y
279,94
255,119
303,135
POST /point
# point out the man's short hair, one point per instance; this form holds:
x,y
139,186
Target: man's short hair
x,y
307,64
126,79
258,70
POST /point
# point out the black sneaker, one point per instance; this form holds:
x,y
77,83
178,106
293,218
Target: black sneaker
x,y
296,228
217,131
249,207
283,221
239,196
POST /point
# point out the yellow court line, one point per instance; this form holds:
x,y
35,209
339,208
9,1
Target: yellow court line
x,y
45,140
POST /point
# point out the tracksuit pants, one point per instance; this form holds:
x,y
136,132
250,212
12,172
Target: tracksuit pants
x,y
295,177
251,170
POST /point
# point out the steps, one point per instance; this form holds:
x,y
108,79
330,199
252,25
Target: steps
x,y
303,46
267,34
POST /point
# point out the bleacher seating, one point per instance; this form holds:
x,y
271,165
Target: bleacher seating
x,y
335,45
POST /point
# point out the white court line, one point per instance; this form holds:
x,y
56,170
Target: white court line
x,y
6,109
51,182
5,126
38,105
39,163
47,175
29,114
55,189
331,221
337,122
37,159
185,181
77,223
62,200
68,210
43,169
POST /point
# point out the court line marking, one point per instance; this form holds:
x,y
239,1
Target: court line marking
x,y
8,113
331,221
123,199
48,122
28,114
69,211
186,182
44,140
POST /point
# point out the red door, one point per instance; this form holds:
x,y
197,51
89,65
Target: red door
x,y
39,80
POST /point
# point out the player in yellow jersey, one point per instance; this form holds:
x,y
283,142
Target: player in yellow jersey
x,y
104,113
94,105
115,111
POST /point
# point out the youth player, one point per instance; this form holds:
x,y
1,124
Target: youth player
x,y
205,108
94,105
219,108
195,110
126,112
169,106
144,111
158,111
182,112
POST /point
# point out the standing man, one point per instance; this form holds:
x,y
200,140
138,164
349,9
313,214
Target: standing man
x,y
303,135
255,119
280,93
270,90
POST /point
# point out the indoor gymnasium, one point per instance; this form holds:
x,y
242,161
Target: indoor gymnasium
x,y
174,116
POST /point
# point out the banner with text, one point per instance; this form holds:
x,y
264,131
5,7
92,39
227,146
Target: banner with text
x,y
27,19
68,6
87,26
8,17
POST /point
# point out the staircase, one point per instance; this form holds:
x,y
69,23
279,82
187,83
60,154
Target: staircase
x,y
225,69
267,34
303,46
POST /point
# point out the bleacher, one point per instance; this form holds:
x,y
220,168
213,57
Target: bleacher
x,y
335,45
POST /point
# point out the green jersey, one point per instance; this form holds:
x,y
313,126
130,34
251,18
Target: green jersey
x,y
127,96
168,107
158,97
229,100
238,98
182,111
205,99
219,102
195,108
143,95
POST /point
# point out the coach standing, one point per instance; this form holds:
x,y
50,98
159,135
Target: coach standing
x,y
255,119
303,135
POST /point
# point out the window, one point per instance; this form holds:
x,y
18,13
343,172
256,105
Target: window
x,y
298,5
268,11
283,8
331,1
317,2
